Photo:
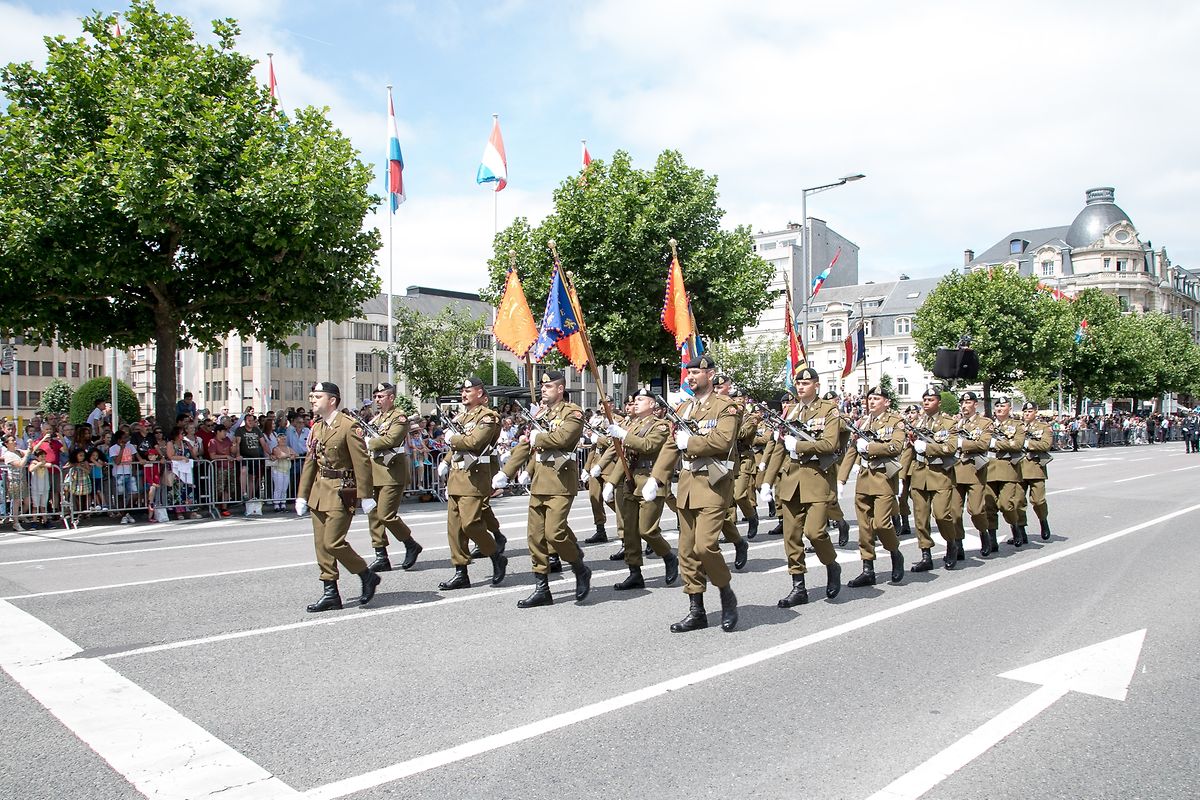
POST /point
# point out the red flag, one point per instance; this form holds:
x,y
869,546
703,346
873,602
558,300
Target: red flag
x,y
587,158
271,76
676,314
515,327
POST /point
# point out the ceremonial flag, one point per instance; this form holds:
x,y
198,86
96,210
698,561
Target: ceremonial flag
x,y
572,347
1081,331
560,320
271,83
587,158
493,167
856,350
797,358
819,281
691,347
515,327
677,311
395,159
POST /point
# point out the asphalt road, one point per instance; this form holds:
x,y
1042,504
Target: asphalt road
x,y
177,661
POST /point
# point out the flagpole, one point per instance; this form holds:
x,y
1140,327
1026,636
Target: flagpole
x,y
391,275
495,233
862,321
512,264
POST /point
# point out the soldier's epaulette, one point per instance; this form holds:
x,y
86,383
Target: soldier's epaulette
x,y
661,426
575,413
490,415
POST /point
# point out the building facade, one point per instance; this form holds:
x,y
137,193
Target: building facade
x,y
35,365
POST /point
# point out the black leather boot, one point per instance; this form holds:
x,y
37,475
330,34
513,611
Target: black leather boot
x,y
1015,540
896,523
599,537
1023,534
381,563
995,542
950,559
960,552
865,578
649,551
985,543
729,615
843,532
926,562
541,594
330,600
583,580
618,556
695,619
752,526
412,549
461,580
897,566
798,596
555,563
741,552
1045,530
370,581
671,562
499,568
905,530
833,579
777,530
771,508
501,543
633,581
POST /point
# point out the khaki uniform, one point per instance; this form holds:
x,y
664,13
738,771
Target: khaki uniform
x,y
1003,472
636,518
703,498
596,485
390,480
875,488
747,468
970,485
1038,440
469,484
844,468
802,487
905,477
932,481
729,529
336,454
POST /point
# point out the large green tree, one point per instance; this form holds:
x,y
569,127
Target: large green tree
x,y
1167,360
756,364
1101,362
151,191
435,352
612,224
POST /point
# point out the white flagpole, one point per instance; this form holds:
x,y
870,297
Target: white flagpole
x,y
391,249
495,232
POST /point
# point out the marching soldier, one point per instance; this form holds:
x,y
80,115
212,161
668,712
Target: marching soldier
x,y
974,433
932,489
389,480
1038,440
845,465
337,459
878,458
596,487
553,484
467,468
729,532
1004,474
801,476
905,475
743,488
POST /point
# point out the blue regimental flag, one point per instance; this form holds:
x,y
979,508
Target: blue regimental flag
x,y
559,321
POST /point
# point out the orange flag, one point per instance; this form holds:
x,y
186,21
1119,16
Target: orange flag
x,y
572,347
515,328
676,316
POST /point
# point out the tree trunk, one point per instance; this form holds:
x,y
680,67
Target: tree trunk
x,y
166,341
1079,404
987,398
632,374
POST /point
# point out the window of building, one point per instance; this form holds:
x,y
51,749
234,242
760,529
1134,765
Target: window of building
x,y
483,341
247,355
47,369
35,398
94,371
28,368
835,330
22,399
832,357
364,362
381,333
1121,265
274,390
767,246
6,398
311,359
787,243
1016,246
363,330
868,327
812,333
274,359
1107,263
74,369
1047,268
1123,301
902,356
902,387
363,391
62,369
903,325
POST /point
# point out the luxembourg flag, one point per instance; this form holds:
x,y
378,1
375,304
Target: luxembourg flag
x,y
819,281
493,167
395,159
856,350
1081,331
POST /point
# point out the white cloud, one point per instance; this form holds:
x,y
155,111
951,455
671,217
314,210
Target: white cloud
x,y
21,32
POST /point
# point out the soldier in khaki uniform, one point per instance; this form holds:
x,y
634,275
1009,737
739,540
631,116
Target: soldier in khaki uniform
x,y
467,468
639,506
932,488
596,487
336,455
723,386
1004,473
878,459
553,484
974,432
905,475
390,474
743,488
801,477
844,466
1038,440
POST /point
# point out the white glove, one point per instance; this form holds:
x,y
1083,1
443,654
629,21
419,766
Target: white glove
x,y
961,440
368,505
991,444
762,466
841,488
862,446
616,431
919,445
595,471
443,469
499,480
790,442
592,437
765,493
650,490
608,492
681,440
301,506
523,478
533,438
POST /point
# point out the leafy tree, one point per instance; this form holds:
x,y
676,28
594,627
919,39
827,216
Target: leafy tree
x,y
889,390
1038,390
949,403
755,364
151,191
612,226
56,398
1015,328
406,404
1101,362
435,352
506,375
1167,358
85,397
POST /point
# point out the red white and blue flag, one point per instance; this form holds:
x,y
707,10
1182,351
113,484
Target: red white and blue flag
x,y
856,350
819,281
1081,331
395,159
493,166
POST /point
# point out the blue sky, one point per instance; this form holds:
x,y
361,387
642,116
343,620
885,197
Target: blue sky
x,y
969,120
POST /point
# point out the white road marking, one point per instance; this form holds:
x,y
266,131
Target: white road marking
x,y
1062,491
1182,469
1137,477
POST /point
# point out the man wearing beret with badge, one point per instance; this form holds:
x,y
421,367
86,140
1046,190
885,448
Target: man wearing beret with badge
x,y
337,459
1038,439
878,457
974,432
1004,474
932,482
723,386
390,473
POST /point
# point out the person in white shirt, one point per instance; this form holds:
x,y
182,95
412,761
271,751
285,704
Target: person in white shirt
x,y
96,418
122,455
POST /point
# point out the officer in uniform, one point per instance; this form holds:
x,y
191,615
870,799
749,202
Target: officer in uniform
x,y
639,506
743,488
804,470
553,484
1004,474
595,486
723,386
390,473
905,475
467,468
974,433
845,465
337,456
932,488
1038,440
878,458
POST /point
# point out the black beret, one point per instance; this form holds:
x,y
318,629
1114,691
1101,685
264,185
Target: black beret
x,y
735,392
830,395
969,396
327,388
808,374
911,409
553,376
931,391
1029,406
472,381
876,390
1002,401
642,392
384,387
720,379
702,361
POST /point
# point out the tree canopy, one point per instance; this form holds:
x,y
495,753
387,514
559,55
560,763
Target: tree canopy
x,y
755,364
434,353
151,191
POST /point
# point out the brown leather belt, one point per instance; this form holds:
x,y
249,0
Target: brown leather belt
x,y
335,473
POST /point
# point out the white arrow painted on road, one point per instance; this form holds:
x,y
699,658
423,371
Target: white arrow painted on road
x,y
1103,669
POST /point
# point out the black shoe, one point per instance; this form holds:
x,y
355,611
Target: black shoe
x,y
777,530
752,527
798,596
634,581
995,543
985,541
905,530
1023,534
381,563
412,549
843,532
897,566
951,556
960,553
671,561
833,579
771,508
501,541
865,578
729,615
499,568
330,600
618,556
370,581
540,596
1045,530
461,580
926,562
741,551
1015,540
583,580
695,619
599,537
555,564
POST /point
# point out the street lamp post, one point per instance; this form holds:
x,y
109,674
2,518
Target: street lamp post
x,y
806,239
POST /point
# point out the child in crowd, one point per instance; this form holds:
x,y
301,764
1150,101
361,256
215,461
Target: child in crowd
x,y
152,477
96,462
77,482
39,488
